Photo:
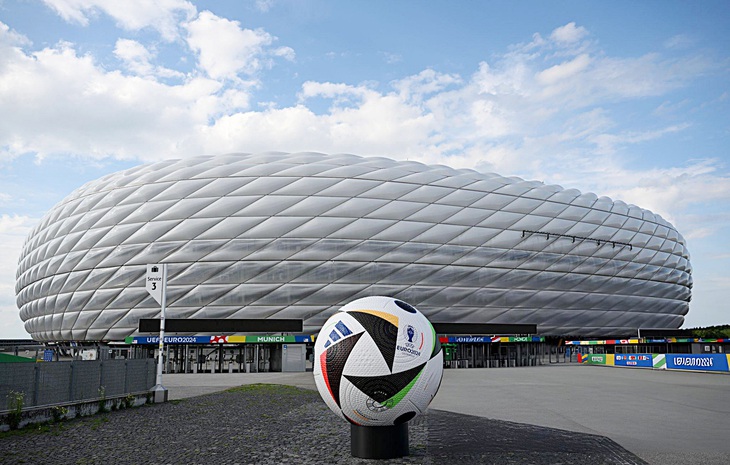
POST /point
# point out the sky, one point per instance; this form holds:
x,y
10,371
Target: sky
x,y
629,100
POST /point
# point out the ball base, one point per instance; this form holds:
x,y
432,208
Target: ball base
x,y
379,442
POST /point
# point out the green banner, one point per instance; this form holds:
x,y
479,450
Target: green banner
x,y
594,359
270,339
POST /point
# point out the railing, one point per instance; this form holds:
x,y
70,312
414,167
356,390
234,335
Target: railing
x,y
526,232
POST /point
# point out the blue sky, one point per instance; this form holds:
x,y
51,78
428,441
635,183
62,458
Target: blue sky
x,y
630,100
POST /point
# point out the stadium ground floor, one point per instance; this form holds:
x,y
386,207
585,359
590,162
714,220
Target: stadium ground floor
x,y
294,353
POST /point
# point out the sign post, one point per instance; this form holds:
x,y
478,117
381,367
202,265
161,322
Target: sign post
x,y
156,285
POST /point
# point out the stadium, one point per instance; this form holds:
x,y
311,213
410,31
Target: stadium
x,y
296,236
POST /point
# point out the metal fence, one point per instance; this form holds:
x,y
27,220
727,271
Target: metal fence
x,y
60,382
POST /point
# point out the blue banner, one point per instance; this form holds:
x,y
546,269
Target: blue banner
x,y
475,339
633,360
170,340
490,339
708,362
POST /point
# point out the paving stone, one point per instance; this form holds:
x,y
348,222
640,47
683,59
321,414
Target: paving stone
x,y
273,424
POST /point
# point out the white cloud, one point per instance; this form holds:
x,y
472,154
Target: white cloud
x,y
336,91
427,82
391,58
161,15
138,59
607,144
264,5
568,34
675,193
563,71
360,121
62,102
226,50
679,42
531,112
286,53
134,55
13,231
11,38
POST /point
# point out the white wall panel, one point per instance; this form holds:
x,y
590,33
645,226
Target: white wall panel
x,y
276,235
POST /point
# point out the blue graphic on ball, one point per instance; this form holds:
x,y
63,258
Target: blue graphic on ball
x,y
410,332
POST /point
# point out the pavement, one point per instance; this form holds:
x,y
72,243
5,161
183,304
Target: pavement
x,y
662,416
183,386
567,414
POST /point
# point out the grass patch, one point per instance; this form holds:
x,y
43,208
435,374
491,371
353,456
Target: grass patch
x,y
264,388
97,422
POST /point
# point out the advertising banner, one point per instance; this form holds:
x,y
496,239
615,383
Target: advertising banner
x,y
708,362
489,339
633,360
270,339
219,339
168,340
593,359
603,342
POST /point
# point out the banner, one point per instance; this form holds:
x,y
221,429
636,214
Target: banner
x,y
706,362
270,339
168,340
220,339
595,359
633,360
603,342
488,339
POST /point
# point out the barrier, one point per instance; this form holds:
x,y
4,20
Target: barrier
x,y
49,383
633,360
707,362
691,362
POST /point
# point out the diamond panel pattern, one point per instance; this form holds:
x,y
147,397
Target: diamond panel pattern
x,y
298,235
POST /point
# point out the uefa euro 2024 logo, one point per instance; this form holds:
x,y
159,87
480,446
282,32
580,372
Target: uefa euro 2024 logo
x,y
410,342
410,333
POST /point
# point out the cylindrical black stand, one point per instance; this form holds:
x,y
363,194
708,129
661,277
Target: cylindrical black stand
x,y
379,442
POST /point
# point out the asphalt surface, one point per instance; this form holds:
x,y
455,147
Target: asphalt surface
x,y
542,415
664,417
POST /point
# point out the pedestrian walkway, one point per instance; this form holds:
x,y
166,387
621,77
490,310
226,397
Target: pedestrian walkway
x,y
182,386
572,414
662,416
665,417
275,424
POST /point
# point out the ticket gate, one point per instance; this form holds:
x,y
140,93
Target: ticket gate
x,y
233,358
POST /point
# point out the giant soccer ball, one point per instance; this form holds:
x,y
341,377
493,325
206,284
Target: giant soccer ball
x,y
378,362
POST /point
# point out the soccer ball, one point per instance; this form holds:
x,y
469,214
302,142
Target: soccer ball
x,y
377,362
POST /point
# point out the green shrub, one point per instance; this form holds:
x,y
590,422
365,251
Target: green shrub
x,y
59,413
15,403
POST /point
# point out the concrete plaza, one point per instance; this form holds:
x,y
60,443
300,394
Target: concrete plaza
x,y
662,416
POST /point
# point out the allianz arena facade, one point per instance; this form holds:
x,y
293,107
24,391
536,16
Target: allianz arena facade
x,y
298,235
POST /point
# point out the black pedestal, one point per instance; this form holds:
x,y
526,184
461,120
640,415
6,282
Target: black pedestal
x,y
379,442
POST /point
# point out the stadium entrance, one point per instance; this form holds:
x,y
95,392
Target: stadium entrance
x,y
500,351
227,354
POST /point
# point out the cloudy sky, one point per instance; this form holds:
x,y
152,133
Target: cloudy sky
x,y
625,99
